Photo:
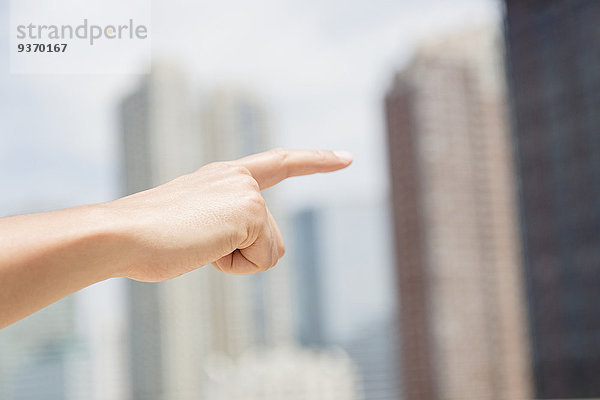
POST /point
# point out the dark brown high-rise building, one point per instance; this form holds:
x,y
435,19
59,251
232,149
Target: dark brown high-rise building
x,y
553,49
462,309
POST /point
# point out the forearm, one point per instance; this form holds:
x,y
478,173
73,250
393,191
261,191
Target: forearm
x,y
48,256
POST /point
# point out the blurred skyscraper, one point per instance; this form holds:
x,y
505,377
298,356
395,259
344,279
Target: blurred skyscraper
x,y
235,125
189,332
310,291
457,253
553,52
44,357
167,321
343,294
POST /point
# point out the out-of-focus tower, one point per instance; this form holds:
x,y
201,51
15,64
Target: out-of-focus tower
x,y
309,280
553,54
167,321
458,266
344,295
44,356
255,310
183,328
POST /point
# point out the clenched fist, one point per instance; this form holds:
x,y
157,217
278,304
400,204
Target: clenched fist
x,y
214,215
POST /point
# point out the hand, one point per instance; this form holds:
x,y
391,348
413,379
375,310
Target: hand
x,y
214,215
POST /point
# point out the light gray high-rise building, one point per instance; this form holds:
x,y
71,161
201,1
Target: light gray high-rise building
x,y
44,356
253,310
310,325
161,141
179,327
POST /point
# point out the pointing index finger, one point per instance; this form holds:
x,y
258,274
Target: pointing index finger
x,y
273,166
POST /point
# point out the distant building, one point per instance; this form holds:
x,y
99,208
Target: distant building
x,y
177,325
235,123
375,349
309,280
553,57
457,253
234,120
167,328
44,357
342,264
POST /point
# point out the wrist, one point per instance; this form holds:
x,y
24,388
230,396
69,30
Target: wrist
x,y
113,238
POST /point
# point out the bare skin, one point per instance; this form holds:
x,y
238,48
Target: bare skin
x,y
214,215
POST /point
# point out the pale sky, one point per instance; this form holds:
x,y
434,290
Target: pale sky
x,y
321,66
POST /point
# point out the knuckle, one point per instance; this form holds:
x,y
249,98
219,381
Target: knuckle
x,y
275,261
324,155
205,168
232,168
281,156
264,268
250,182
217,165
253,213
240,169
270,263
279,152
265,262
255,201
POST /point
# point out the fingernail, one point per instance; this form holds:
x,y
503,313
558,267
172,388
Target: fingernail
x,y
343,155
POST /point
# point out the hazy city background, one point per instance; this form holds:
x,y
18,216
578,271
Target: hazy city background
x,y
457,258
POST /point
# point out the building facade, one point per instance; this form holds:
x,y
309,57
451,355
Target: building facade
x,y
344,297
166,321
176,326
46,356
311,324
553,58
462,316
